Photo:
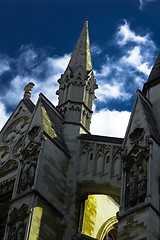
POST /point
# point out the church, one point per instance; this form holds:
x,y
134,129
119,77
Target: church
x,y
60,182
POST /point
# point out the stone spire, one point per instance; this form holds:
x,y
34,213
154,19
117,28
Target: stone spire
x,y
81,55
77,84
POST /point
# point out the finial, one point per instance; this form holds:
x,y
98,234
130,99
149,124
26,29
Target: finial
x,y
86,23
27,89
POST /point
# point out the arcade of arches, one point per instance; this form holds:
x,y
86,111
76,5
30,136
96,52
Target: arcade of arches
x,y
99,221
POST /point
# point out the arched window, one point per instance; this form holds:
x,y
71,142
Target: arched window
x,y
83,162
90,160
106,162
99,161
117,165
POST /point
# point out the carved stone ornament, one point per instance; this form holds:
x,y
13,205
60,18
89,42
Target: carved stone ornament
x,y
86,146
102,149
4,154
8,166
30,156
27,89
15,130
18,148
136,135
132,188
136,185
27,176
17,223
33,132
7,186
142,184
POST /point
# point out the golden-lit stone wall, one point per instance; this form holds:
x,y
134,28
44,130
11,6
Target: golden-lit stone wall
x,y
89,215
35,223
98,209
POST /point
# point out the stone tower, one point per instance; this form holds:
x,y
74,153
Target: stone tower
x,y
77,86
76,95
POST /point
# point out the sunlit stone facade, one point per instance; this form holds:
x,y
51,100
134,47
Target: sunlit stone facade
x,y
60,182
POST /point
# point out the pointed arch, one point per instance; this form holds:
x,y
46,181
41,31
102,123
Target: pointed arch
x,y
107,227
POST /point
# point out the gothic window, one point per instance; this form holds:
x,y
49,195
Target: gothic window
x,y
83,162
90,160
91,156
117,167
99,163
86,157
107,157
106,160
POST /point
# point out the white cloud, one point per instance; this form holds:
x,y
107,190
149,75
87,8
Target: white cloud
x,y
117,77
125,35
110,91
48,85
48,88
28,54
134,58
59,63
104,71
95,49
15,92
110,123
142,3
120,76
4,65
3,114
139,81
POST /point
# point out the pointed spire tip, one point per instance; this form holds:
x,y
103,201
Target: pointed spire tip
x,y
86,23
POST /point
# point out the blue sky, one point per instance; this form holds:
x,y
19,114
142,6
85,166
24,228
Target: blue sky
x,y
38,36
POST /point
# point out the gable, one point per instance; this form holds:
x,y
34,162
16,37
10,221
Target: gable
x,y
12,134
142,124
52,122
46,120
